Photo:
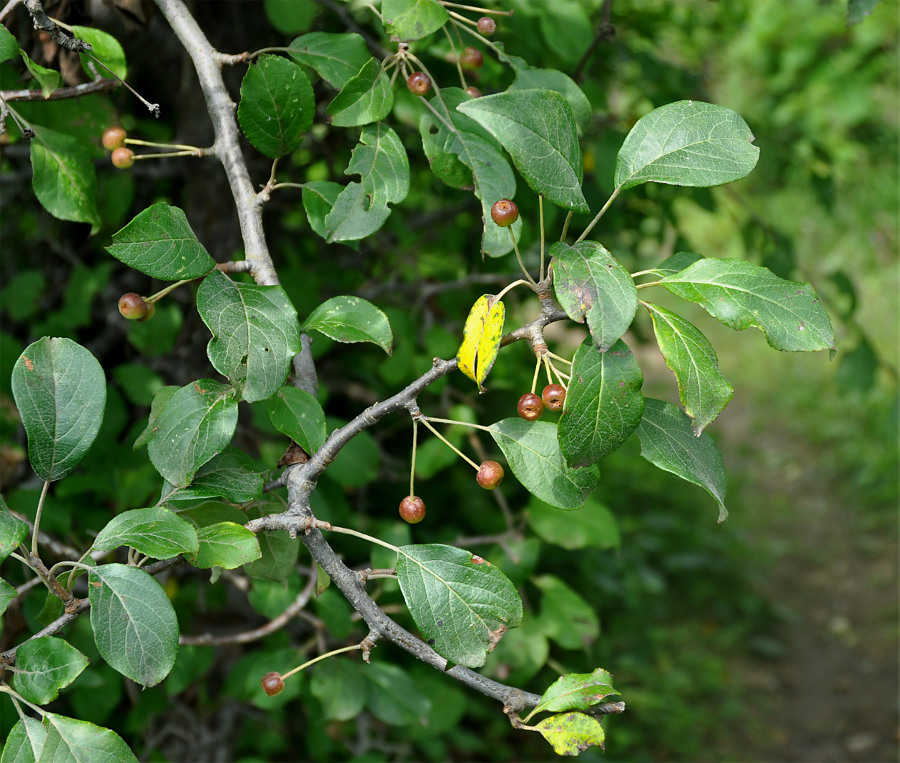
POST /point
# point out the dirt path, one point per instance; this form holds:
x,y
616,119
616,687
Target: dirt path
x,y
832,696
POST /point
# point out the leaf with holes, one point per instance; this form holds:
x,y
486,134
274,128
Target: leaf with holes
x,y
255,332
135,628
461,603
60,392
361,208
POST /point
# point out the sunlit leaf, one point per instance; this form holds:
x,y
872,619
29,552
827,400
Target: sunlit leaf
x,y
572,733
577,691
481,338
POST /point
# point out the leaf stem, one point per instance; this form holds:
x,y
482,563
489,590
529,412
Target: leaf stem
x,y
453,421
450,445
600,214
351,648
565,230
37,518
649,283
511,286
16,698
348,531
519,257
412,466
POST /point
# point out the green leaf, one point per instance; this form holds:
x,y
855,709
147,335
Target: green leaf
x,y
668,442
603,403
135,628
577,691
857,10
48,79
44,666
159,242
319,197
277,105
364,98
393,697
675,264
408,20
9,48
531,78
7,594
572,733
532,450
278,549
481,338
231,475
227,545
12,531
156,532
351,319
741,294
336,58
297,414
461,603
686,143
196,424
469,155
77,741
340,686
160,400
566,617
592,526
703,390
537,128
106,48
255,333
291,16
25,741
213,512
60,391
64,178
591,284
361,208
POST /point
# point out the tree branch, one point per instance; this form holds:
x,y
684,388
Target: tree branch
x,y
43,22
97,86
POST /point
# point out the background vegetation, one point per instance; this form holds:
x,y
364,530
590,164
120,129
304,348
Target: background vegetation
x,y
710,630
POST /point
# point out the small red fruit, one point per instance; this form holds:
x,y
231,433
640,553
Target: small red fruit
x,y
490,474
113,138
474,92
123,158
272,683
504,212
419,83
132,306
412,509
486,25
471,58
554,396
530,407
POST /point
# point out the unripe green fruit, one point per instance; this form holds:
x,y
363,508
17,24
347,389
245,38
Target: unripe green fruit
x,y
554,396
486,25
504,212
113,138
133,306
123,158
471,58
419,83
530,407
272,683
490,474
412,509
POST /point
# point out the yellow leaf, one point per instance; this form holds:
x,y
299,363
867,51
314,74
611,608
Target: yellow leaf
x,y
481,338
